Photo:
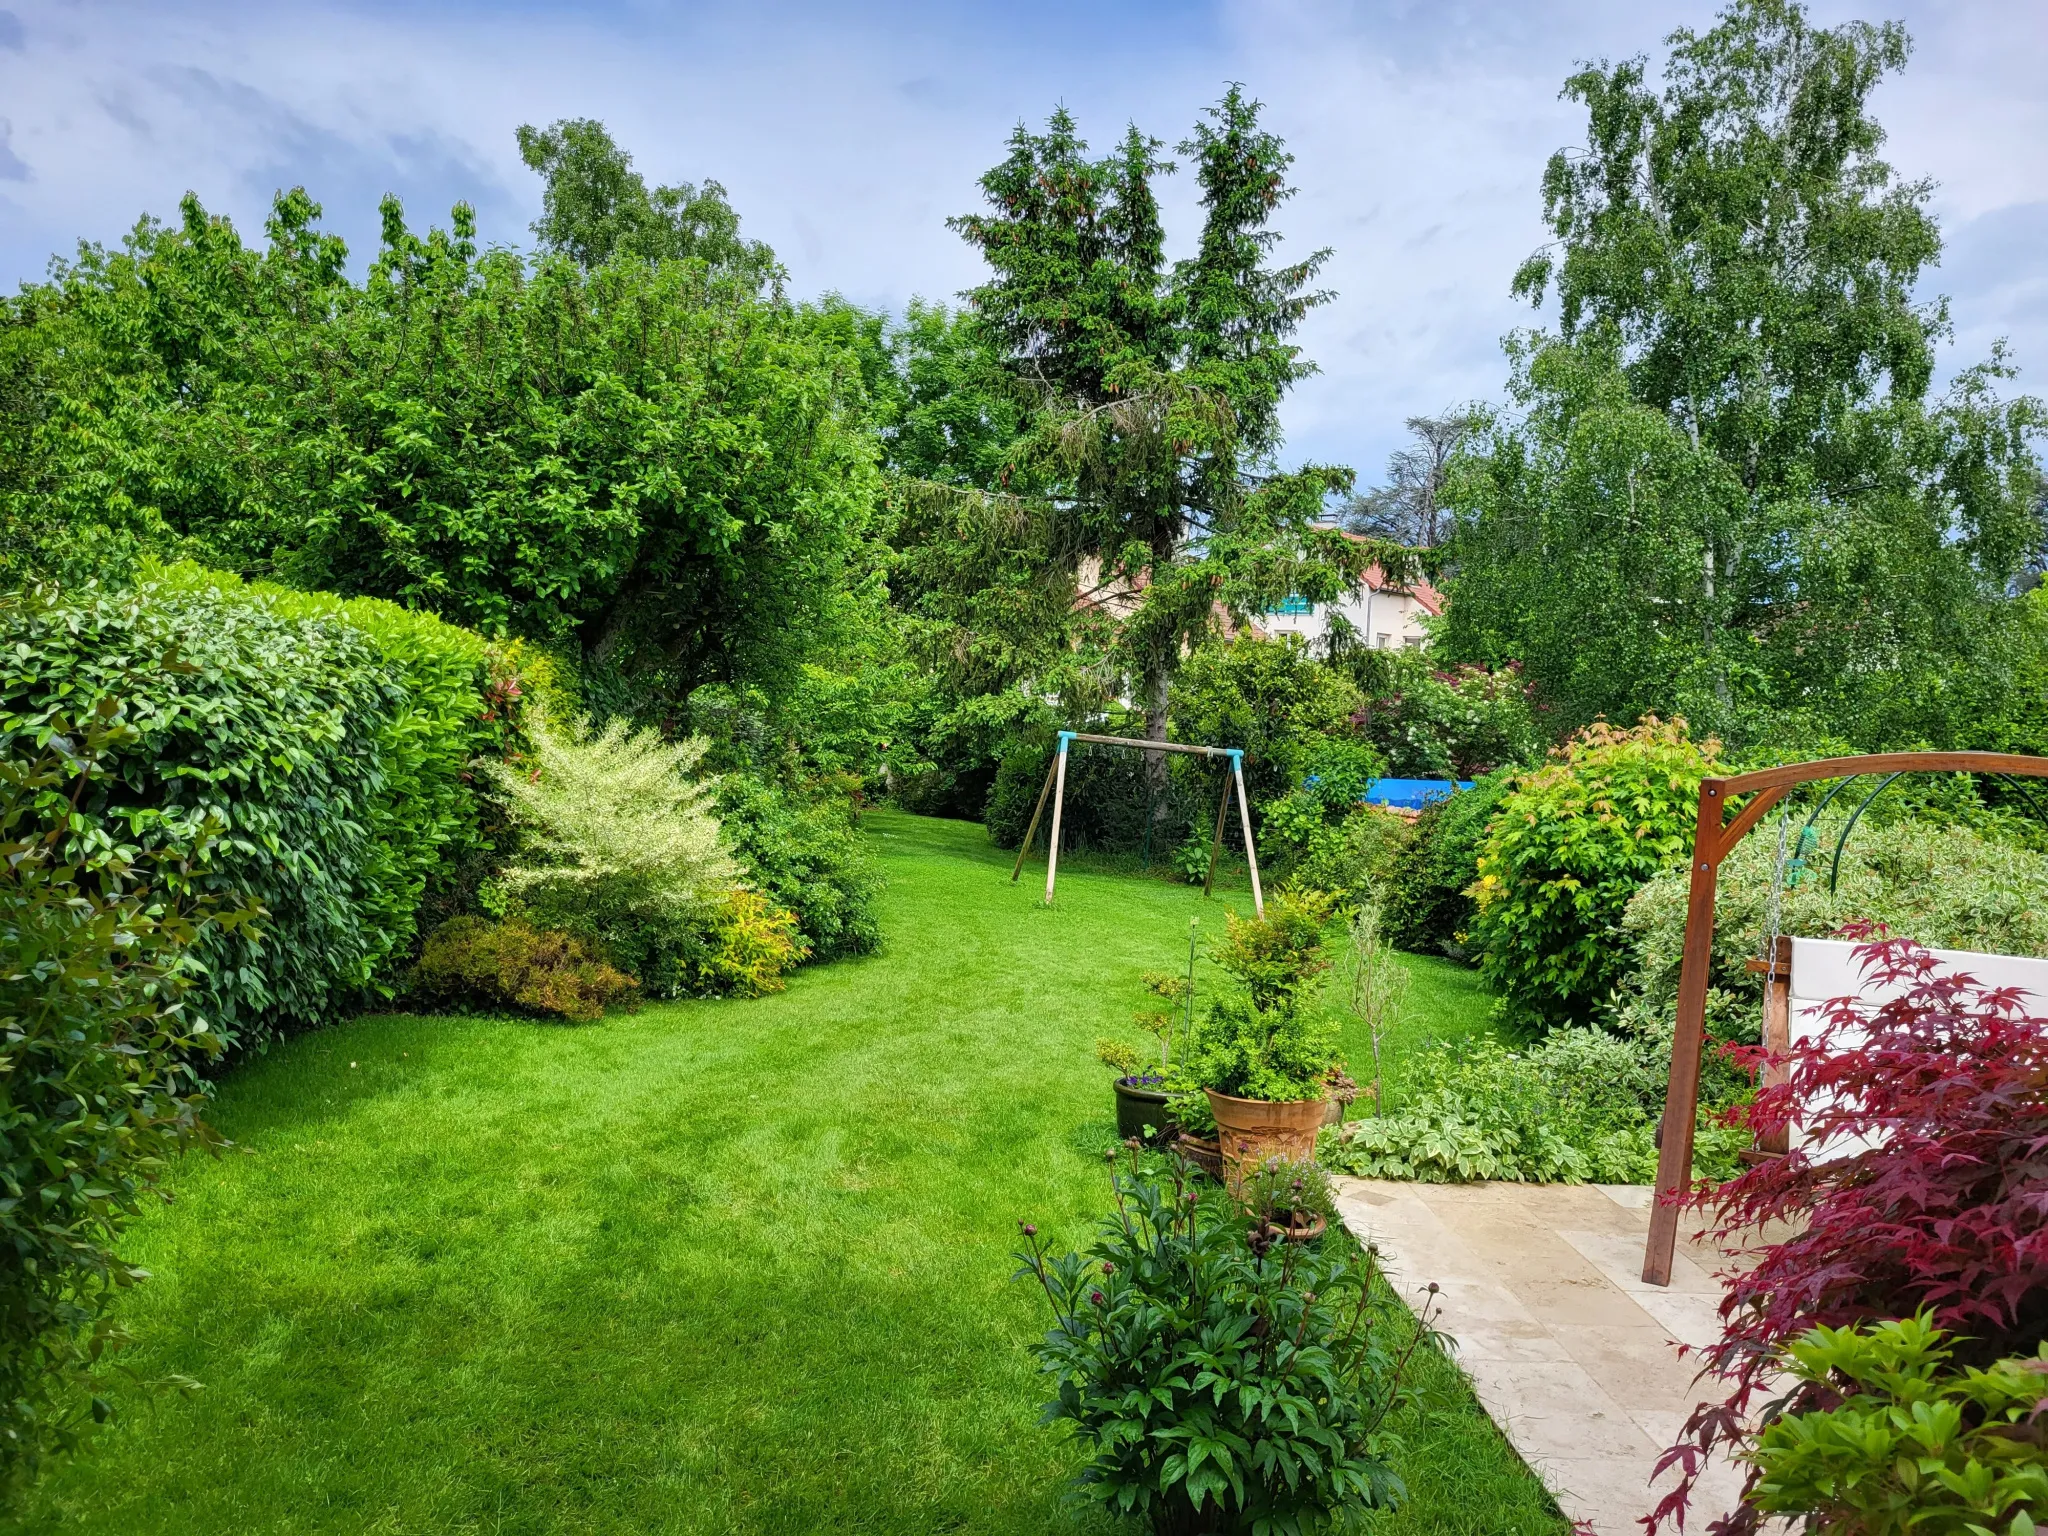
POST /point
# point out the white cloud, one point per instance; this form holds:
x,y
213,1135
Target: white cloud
x,y
846,139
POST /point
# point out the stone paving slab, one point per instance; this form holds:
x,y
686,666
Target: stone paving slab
x,y
1573,1355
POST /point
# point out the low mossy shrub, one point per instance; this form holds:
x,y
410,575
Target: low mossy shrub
x,y
1566,849
472,961
1217,1378
100,1059
1581,1106
326,740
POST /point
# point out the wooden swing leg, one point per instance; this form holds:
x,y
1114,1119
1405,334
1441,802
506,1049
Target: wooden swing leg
x,y
1251,854
1059,801
1032,831
1216,842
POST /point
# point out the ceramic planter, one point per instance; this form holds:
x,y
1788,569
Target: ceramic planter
x,y
1141,1102
1253,1131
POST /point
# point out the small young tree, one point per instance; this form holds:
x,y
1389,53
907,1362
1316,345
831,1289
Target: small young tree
x,y
1375,983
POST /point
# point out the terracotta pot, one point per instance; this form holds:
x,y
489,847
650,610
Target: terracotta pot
x,y
1202,1152
1251,1131
1141,1104
1297,1226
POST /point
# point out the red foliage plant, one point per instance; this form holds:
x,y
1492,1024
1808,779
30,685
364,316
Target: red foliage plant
x,y
1947,1211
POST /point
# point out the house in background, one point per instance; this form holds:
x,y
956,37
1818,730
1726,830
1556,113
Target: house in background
x,y
1386,615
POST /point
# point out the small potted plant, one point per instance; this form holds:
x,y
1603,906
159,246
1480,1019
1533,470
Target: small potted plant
x,y
1144,1095
1264,1055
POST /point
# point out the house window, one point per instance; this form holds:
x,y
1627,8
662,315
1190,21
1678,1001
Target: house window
x,y
1411,642
1385,642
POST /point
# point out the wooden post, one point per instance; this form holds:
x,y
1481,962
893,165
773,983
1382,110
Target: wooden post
x,y
1032,830
1059,801
1244,811
1681,1097
1777,975
1216,842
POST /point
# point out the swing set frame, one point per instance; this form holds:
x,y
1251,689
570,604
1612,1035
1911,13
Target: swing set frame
x,y
1055,787
1715,835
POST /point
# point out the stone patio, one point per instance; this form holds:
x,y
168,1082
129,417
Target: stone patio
x,y
1571,1353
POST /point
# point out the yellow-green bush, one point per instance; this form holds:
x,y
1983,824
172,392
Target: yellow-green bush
x,y
512,963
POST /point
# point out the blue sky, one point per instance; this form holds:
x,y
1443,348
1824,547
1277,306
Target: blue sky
x,y
846,134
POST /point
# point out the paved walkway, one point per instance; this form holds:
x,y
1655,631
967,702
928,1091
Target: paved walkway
x,y
1573,1355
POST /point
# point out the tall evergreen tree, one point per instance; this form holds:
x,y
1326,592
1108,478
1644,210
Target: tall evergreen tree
x,y
1155,389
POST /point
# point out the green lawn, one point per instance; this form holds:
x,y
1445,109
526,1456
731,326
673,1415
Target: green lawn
x,y
711,1267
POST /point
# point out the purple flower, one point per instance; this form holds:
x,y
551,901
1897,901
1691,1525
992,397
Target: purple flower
x,y
1108,1268
1029,1230
1096,1297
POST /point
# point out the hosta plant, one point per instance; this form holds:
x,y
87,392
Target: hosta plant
x,y
1216,1377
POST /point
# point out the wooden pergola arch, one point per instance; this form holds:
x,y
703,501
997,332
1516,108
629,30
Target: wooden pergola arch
x,y
1714,838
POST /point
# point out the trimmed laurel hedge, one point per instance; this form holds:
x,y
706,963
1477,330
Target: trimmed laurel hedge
x,y
326,739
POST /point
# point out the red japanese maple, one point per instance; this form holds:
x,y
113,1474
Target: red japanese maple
x,y
1949,1211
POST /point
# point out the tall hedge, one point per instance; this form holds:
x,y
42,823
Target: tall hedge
x,y
325,739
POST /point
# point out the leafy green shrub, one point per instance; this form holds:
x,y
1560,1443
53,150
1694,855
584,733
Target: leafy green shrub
x,y
1429,908
1912,1444
1565,851
1946,886
1269,697
752,943
1266,1040
99,1059
452,705
1436,724
1351,859
806,853
1581,1106
326,740
1218,1379
512,963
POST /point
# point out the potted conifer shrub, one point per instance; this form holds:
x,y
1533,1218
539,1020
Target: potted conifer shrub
x,y
1263,1055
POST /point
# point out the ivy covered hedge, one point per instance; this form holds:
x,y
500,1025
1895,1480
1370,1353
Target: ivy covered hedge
x,y
326,740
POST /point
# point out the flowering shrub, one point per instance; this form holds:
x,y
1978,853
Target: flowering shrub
x,y
1947,1213
1564,852
1217,1377
1911,1444
1437,724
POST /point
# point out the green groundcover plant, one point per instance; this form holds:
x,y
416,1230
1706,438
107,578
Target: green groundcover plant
x,y
1218,1377
1580,1106
99,1060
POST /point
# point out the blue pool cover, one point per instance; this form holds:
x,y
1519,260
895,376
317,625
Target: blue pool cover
x,y
1411,794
